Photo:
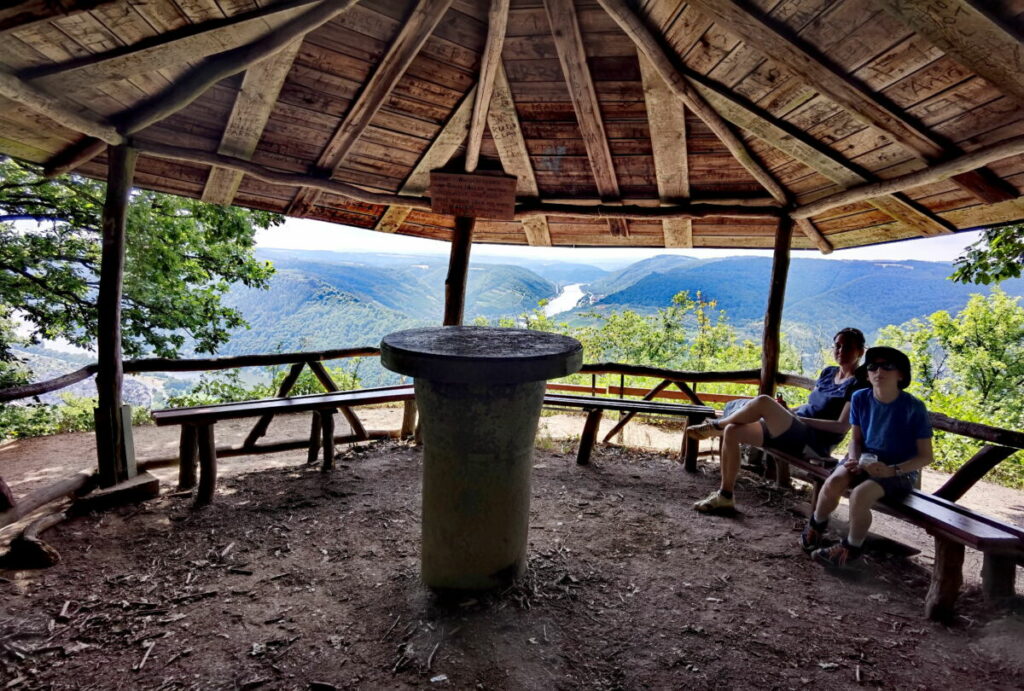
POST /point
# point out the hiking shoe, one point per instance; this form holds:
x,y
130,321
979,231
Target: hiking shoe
x,y
715,503
837,556
704,430
811,538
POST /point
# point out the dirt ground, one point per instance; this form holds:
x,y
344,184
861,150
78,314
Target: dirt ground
x,y
294,579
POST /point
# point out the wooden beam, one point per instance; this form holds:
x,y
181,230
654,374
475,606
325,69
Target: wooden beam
x,y
443,147
170,50
771,344
414,33
839,87
458,269
110,441
497,22
812,154
968,33
18,15
64,113
197,80
253,105
932,174
650,47
666,118
503,122
569,45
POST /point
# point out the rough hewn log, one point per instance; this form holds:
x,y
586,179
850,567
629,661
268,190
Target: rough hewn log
x,y
811,231
947,577
206,364
64,113
998,576
987,458
926,176
745,376
110,442
497,22
976,430
314,438
263,424
458,268
589,436
648,45
327,438
773,312
6,496
324,377
207,464
408,420
79,482
28,551
188,450
664,384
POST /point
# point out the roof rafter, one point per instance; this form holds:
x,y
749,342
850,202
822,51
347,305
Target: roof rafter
x,y
63,112
24,14
565,28
497,22
197,80
164,51
666,118
970,35
414,33
844,91
253,105
515,158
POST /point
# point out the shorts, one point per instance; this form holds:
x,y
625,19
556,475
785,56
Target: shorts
x,y
895,488
794,439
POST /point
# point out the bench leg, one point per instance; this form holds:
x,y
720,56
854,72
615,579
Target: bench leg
x,y
692,447
947,577
408,419
327,429
314,438
187,451
998,574
589,436
207,464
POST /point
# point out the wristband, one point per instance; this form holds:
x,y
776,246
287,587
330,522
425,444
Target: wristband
x,y
897,470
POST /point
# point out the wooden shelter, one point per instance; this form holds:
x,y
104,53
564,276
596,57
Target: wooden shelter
x,y
699,123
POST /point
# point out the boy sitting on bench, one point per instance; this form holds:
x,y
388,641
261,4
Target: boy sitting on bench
x,y
891,442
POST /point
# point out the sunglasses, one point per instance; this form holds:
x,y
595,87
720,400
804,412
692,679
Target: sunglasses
x,y
887,366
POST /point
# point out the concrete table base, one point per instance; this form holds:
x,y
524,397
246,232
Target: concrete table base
x,y
479,392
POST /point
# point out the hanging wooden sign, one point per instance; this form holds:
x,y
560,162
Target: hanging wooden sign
x,y
473,195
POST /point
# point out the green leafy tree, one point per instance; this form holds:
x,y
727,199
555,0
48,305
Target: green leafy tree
x,y
969,366
998,255
182,257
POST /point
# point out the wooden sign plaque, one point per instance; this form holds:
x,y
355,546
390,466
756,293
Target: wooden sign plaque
x,y
473,195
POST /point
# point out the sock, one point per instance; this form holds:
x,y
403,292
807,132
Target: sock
x,y
854,548
725,493
818,523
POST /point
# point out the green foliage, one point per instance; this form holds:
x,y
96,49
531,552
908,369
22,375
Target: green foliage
x,y
228,386
73,414
998,255
182,257
970,367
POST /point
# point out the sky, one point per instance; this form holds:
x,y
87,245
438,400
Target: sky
x,y
317,235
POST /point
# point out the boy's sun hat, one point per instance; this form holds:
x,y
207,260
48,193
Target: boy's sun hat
x,y
894,356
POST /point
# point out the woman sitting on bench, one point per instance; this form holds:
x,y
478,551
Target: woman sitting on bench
x,y
819,424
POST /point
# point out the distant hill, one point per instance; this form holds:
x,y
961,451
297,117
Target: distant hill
x,y
821,295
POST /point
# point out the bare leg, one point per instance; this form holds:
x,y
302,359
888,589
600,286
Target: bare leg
x,y
831,492
861,501
777,418
732,437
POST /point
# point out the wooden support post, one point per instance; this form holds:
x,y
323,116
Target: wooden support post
x,y
458,268
187,450
327,432
207,464
110,442
691,447
987,458
629,416
998,576
314,438
770,344
408,420
324,377
947,577
589,436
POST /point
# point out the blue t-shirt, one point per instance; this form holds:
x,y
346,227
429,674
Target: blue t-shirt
x,y
890,430
827,400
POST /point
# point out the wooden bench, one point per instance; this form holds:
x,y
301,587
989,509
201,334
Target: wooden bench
x,y
197,423
596,406
953,528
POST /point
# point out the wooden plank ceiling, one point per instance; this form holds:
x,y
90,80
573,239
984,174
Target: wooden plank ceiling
x,y
627,122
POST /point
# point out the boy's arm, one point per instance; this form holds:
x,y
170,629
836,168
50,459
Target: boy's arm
x,y
923,458
838,426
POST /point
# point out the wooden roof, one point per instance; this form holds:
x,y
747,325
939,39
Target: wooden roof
x,y
652,123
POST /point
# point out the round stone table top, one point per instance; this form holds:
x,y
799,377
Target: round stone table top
x,y
480,354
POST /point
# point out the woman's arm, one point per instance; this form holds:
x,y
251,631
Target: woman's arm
x,y
839,426
856,445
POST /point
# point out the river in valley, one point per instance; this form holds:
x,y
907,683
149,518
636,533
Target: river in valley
x,y
565,300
